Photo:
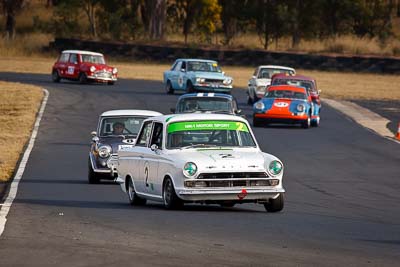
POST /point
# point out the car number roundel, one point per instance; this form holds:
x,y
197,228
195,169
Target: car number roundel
x,y
281,104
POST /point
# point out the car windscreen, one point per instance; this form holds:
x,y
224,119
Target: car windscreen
x,y
127,125
204,104
96,59
190,134
285,94
203,66
301,83
266,73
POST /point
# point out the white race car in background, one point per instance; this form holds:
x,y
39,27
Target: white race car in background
x,y
262,78
203,158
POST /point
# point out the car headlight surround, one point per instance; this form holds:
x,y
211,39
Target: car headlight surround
x,y
92,69
104,151
200,80
115,70
259,105
301,107
275,167
189,169
227,81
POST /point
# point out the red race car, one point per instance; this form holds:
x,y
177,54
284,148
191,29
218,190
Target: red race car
x,y
299,80
83,66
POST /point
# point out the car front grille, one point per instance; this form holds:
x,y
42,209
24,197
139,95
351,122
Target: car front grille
x,y
214,81
103,74
232,175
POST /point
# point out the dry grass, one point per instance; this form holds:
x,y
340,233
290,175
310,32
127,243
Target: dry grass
x,y
333,84
24,45
19,104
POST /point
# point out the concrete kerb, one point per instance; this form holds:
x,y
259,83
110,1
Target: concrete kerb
x,y
364,117
12,193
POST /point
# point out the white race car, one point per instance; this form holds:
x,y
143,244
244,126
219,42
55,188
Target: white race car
x,y
202,158
262,78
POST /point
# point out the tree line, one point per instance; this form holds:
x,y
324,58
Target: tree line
x,y
155,19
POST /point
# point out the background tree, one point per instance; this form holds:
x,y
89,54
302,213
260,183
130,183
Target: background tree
x,y
90,7
10,9
208,19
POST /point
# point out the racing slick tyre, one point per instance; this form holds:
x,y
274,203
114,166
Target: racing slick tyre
x,y
171,200
315,123
168,88
82,78
306,123
133,198
189,88
92,177
275,205
55,77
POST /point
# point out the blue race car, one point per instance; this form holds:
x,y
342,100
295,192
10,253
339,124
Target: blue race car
x,y
207,103
286,104
192,75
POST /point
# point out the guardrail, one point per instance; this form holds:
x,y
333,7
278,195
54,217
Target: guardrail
x,y
244,57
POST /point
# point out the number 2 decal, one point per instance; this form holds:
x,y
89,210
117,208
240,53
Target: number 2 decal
x,y
146,175
239,126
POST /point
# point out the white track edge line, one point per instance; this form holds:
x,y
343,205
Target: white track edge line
x,y
5,207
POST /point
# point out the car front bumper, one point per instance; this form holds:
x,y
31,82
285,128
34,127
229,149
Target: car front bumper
x,y
237,194
212,88
103,78
109,166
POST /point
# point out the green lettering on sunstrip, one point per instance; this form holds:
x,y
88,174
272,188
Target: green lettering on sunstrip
x,y
207,125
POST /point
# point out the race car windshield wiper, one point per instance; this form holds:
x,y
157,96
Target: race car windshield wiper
x,y
197,145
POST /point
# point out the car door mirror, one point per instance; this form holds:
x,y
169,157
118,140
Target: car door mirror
x,y
238,111
172,110
183,70
154,147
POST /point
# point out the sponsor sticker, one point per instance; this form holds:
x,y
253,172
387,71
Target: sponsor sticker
x,y
242,194
207,125
121,147
281,104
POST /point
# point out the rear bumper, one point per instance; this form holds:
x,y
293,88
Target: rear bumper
x,y
237,194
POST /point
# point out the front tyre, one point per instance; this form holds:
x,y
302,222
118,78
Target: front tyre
x,y
168,88
275,205
82,78
306,123
315,122
189,87
92,176
171,200
133,198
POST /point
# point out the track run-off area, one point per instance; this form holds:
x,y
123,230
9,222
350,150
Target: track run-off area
x,y
342,202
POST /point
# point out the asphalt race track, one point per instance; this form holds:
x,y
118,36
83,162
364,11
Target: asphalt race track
x,y
342,201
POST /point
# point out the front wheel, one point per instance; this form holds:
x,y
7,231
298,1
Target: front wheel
x,y
171,200
275,205
168,88
189,88
92,176
315,123
306,123
134,199
82,78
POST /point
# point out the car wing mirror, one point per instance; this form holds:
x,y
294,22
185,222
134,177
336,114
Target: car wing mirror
x,y
153,147
183,70
239,111
172,110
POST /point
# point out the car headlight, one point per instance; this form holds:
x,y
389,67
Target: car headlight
x,y
104,151
189,169
92,69
200,80
261,88
300,108
275,167
227,81
259,105
115,70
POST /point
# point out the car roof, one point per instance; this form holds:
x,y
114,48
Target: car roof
x,y
130,112
287,88
293,77
275,67
220,95
195,59
197,117
82,52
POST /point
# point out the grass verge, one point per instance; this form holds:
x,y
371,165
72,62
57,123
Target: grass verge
x,y
19,104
